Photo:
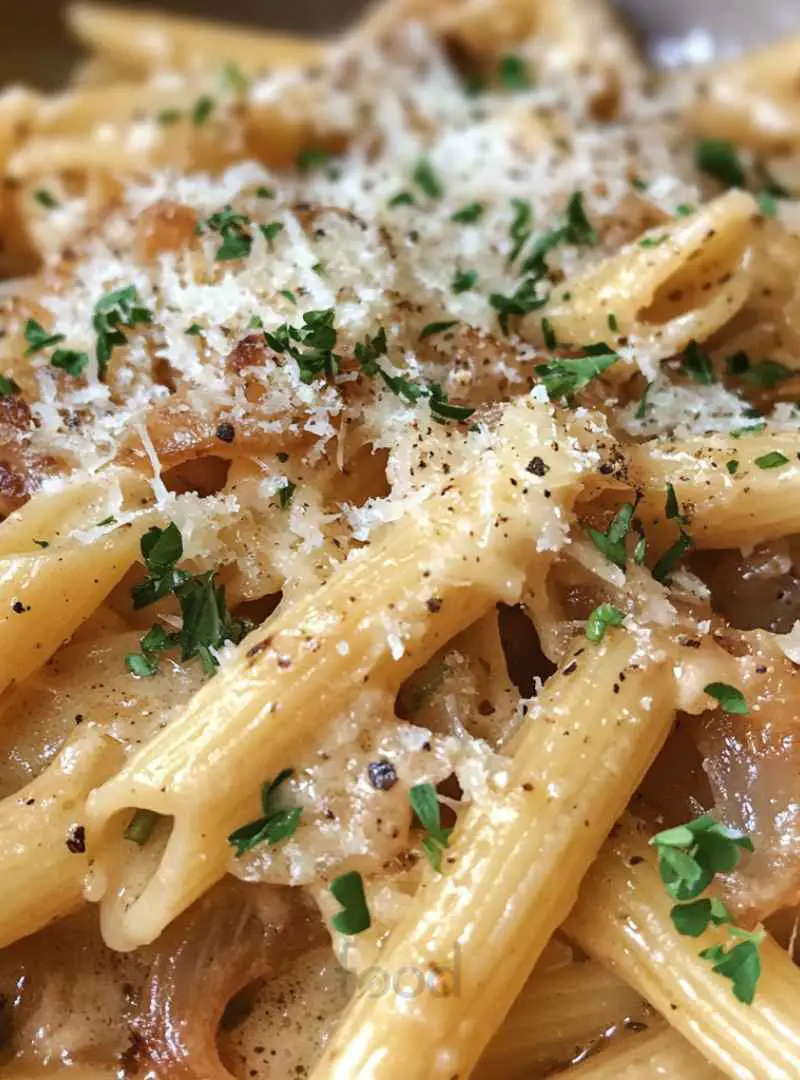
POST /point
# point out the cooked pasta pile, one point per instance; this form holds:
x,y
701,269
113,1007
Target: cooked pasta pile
x,y
399,450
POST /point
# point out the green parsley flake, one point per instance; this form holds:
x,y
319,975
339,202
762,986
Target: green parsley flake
x,y
642,407
730,699
685,210
601,618
70,361
425,804
234,79
167,117
697,365
732,467
194,330
286,494
270,231
38,338
312,157
549,335
206,622
464,280
437,328
720,160
354,917
202,109
564,376
141,826
613,322
8,386
612,542
233,228
311,344
468,214
112,312
689,858
521,227
402,198
653,241
773,460
287,294
513,73
426,179
44,198
274,825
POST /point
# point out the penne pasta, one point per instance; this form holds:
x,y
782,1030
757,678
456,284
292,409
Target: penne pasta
x,y
622,919
515,859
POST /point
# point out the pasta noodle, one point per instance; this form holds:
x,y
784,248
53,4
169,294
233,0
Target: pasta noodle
x,y
742,1040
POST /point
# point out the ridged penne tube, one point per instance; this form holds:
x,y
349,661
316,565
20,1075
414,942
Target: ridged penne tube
x,y
47,591
151,40
512,868
381,616
658,1053
43,875
558,1014
751,100
622,918
756,503
681,281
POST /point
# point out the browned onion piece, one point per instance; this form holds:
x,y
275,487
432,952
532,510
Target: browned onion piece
x,y
232,936
754,771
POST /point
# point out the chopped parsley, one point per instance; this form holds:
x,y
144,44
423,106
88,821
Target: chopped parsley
x,y
564,376
426,179
425,804
765,374
202,109
141,826
773,460
38,338
270,231
285,494
233,229
70,361
672,556
312,157
44,198
8,386
641,408
525,299
274,825
206,622
603,616
311,344
576,229
513,73
613,322
437,328
418,690
752,429
367,354
767,204
166,117
689,858
464,280
697,365
194,330
521,227
732,467
468,214
730,699
354,917
402,198
112,312
287,294
234,79
612,542
549,335
672,509
719,159
685,210
653,241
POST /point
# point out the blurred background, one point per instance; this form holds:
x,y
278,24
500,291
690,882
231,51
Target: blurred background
x,y
34,45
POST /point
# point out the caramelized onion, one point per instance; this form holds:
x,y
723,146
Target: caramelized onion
x,y
234,935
